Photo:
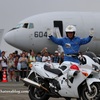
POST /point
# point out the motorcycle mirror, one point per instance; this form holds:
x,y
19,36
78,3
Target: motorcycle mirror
x,y
96,59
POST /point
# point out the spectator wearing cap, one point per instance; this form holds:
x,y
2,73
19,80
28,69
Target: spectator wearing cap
x,y
56,58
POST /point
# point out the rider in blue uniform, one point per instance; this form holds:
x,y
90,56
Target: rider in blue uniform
x,y
70,44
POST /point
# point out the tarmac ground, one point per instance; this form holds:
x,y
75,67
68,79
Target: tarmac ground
x,y
16,91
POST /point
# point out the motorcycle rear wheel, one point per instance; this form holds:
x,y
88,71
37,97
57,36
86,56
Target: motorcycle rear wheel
x,y
95,93
37,94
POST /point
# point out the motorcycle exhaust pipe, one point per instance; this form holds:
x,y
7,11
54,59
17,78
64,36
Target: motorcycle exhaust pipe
x,y
26,80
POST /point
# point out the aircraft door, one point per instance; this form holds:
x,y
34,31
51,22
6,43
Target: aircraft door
x,y
59,24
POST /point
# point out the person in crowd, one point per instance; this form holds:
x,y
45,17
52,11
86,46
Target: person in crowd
x,y
0,67
56,58
43,51
61,58
17,72
24,65
71,43
11,67
26,54
46,57
4,63
16,54
32,57
38,57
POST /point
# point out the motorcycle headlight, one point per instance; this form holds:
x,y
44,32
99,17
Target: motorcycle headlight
x,y
73,73
95,68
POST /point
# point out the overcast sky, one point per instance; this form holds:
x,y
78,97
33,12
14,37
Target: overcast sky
x,y
13,11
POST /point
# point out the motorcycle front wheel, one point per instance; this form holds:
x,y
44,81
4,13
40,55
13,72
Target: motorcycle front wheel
x,y
93,95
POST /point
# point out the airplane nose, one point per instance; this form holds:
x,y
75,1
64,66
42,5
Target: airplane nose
x,y
9,38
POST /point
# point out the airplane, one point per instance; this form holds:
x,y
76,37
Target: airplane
x,y
31,33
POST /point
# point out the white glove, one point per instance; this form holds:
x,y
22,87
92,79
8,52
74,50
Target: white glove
x,y
49,32
91,32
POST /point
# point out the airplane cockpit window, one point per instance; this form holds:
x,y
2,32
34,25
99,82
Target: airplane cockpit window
x,y
28,25
24,25
19,25
31,25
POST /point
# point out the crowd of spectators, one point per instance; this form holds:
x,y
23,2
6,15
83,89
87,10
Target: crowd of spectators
x,y
17,65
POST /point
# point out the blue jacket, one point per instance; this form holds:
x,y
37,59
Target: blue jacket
x,y
75,43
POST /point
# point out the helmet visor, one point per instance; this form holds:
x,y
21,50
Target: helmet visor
x,y
70,32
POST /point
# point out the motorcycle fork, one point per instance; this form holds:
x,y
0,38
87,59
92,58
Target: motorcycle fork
x,y
89,88
67,80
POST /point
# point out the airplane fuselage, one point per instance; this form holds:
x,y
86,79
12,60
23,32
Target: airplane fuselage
x,y
31,32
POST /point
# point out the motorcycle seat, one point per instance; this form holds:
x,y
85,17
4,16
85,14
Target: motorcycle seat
x,y
55,71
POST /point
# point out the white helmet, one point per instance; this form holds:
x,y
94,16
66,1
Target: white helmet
x,y
70,28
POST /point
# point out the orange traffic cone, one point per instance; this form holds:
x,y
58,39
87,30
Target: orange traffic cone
x,y
4,79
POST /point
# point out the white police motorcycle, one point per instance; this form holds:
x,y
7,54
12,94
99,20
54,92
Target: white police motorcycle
x,y
68,80
92,60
